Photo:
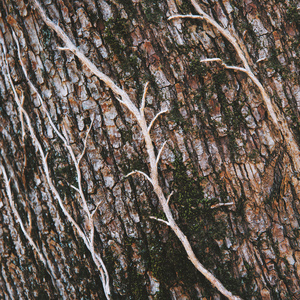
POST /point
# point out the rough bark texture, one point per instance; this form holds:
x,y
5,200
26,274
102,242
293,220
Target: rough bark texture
x,y
221,147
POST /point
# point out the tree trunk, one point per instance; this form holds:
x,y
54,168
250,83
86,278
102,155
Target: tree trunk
x,y
233,173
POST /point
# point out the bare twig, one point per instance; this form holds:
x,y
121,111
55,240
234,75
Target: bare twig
x,y
154,119
160,220
18,218
94,211
277,118
222,204
160,152
75,188
139,172
169,197
184,17
261,59
144,99
85,140
88,240
153,178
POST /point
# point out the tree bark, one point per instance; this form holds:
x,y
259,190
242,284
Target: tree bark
x,y
233,173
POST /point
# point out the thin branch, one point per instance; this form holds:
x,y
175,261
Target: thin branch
x,y
226,66
140,172
212,60
276,116
160,220
21,117
169,197
35,89
222,204
63,49
46,157
69,45
18,218
154,119
261,59
94,211
185,17
85,140
144,99
75,188
160,152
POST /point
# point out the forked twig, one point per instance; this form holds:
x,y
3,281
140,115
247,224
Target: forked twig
x,y
160,220
276,117
155,118
123,98
222,204
18,218
144,98
139,172
88,240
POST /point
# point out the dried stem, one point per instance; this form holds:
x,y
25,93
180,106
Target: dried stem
x,y
142,173
94,211
160,152
153,178
277,118
222,204
154,119
159,220
144,98
88,240
18,218
169,197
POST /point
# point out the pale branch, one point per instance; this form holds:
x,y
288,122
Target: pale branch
x,y
149,147
211,60
18,218
69,45
226,66
224,32
35,89
144,99
64,136
21,117
103,272
74,187
239,51
85,141
63,49
261,59
185,17
160,220
139,172
277,118
155,118
91,237
160,152
222,204
94,211
169,197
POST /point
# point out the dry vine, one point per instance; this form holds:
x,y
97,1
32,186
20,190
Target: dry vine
x,y
277,118
138,113
88,237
